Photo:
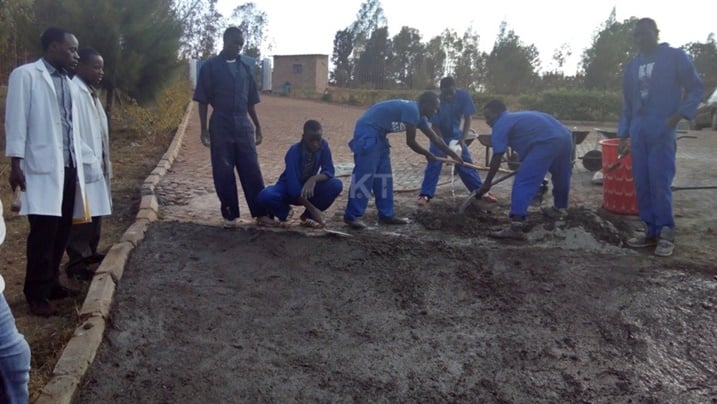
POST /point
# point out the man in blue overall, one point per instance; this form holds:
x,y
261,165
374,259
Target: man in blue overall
x,y
544,145
653,85
456,106
226,83
308,180
372,153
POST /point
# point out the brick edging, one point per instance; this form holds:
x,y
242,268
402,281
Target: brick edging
x,y
80,351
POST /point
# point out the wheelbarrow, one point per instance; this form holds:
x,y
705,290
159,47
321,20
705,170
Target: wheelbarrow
x,y
592,160
511,157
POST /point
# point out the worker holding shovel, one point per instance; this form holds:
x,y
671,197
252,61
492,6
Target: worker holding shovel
x,y
372,154
544,145
456,108
653,103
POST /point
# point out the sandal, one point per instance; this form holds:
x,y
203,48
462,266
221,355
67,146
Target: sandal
x,y
311,223
423,200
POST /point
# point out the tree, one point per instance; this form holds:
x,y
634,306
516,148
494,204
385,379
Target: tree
x,y
611,49
560,55
341,58
252,22
704,57
452,46
371,67
202,24
469,65
511,66
13,14
350,42
434,60
406,57
138,39
369,18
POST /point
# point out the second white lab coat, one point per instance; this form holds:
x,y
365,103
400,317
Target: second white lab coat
x,y
92,122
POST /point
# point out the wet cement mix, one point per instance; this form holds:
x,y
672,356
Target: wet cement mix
x,y
433,312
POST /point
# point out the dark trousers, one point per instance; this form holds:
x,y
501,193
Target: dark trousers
x,y
236,151
83,242
275,198
46,244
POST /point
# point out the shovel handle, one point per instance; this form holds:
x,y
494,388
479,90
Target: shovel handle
x,y
693,188
450,160
614,166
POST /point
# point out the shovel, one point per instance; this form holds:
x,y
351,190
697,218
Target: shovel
x,y
473,194
336,233
451,161
614,166
693,188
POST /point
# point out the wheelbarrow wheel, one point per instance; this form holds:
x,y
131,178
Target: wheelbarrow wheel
x,y
592,160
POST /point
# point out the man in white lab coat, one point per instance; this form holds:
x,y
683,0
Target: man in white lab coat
x,y
92,122
46,162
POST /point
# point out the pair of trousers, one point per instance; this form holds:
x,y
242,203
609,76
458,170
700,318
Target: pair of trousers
x,y
653,169
372,174
276,199
552,157
236,150
14,359
83,242
46,243
469,176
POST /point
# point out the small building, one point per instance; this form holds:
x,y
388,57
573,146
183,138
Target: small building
x,y
300,73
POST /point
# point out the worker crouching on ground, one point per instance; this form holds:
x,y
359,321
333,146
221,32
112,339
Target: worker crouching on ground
x,y
308,180
544,145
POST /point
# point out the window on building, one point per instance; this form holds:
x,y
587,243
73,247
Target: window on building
x,y
297,68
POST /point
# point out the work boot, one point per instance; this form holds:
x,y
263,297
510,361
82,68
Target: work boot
x,y
355,224
94,258
555,213
394,220
423,200
666,242
514,232
642,241
60,292
42,308
231,224
80,273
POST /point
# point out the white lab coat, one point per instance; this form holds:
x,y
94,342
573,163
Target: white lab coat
x,y
92,122
33,130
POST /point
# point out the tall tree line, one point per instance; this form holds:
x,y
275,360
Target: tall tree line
x,y
143,42
365,56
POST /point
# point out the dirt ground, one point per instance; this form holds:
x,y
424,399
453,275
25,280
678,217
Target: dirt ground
x,y
432,311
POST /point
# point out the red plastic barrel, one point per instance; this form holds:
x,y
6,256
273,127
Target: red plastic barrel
x,y
618,187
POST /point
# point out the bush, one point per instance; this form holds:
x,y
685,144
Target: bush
x,y
577,105
159,117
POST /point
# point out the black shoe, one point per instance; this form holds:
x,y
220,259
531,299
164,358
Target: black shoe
x,y
81,274
60,292
355,224
94,258
394,220
42,308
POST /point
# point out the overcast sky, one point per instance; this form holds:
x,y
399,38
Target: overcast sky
x,y
309,26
